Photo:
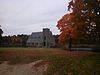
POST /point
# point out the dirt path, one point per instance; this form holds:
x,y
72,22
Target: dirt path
x,y
34,68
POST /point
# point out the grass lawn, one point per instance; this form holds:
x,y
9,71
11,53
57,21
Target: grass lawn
x,y
61,62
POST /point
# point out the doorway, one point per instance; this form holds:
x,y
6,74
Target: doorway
x,y
44,44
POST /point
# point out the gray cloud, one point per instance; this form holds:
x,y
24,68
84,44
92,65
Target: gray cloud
x,y
26,16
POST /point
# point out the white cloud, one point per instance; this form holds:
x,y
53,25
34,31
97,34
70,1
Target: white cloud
x,y
26,16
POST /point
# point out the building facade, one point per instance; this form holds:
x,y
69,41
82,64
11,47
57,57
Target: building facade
x,y
41,39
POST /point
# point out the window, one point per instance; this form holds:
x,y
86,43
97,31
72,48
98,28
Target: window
x,y
32,43
39,37
40,43
44,37
36,43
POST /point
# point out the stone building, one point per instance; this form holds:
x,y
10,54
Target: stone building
x,y
41,39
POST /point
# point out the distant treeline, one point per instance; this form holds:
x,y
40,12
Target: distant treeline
x,y
14,41
18,41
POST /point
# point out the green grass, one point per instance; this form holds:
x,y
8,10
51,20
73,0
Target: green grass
x,y
61,62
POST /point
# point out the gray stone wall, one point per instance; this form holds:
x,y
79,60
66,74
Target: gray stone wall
x,y
35,39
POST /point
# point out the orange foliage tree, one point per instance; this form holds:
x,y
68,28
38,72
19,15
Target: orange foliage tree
x,y
82,22
66,28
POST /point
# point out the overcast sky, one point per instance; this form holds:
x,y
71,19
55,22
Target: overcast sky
x,y
27,16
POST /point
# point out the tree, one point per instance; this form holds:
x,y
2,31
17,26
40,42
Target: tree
x,y
82,22
1,32
66,29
